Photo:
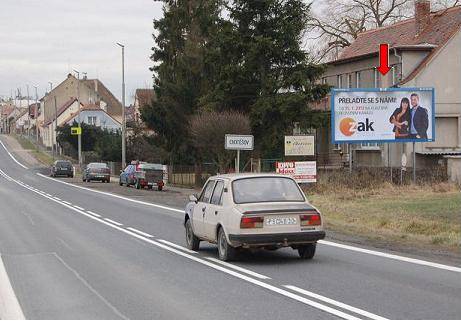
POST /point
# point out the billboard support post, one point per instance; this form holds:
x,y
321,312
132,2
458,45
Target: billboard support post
x,y
350,158
414,164
237,164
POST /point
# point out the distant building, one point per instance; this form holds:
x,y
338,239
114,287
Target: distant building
x,y
92,114
142,98
424,52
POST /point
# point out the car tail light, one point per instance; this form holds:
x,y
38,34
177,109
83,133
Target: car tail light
x,y
310,219
251,222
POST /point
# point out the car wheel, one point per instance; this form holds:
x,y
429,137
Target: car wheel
x,y
225,250
120,183
149,186
137,185
307,251
192,241
160,188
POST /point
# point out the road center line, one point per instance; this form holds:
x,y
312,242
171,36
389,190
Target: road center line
x,y
93,213
65,202
80,208
178,246
238,268
336,303
113,222
139,232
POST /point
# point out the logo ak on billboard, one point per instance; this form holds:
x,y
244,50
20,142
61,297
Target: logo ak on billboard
x,y
349,126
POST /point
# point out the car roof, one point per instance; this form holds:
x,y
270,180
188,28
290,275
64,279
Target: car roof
x,y
235,176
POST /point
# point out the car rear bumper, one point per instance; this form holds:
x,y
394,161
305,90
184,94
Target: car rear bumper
x,y
283,239
98,177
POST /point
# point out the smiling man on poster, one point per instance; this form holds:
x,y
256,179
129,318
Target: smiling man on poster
x,y
419,119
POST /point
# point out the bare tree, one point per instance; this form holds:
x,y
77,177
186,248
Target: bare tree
x,y
339,22
208,130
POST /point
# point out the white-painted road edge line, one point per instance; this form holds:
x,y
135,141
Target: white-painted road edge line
x,y
139,232
80,208
393,256
12,157
214,266
336,303
9,305
178,246
238,268
114,195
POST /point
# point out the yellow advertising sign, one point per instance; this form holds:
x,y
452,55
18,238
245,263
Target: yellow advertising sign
x,y
76,130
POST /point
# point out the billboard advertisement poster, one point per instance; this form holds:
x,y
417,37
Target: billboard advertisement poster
x,y
383,115
302,172
302,145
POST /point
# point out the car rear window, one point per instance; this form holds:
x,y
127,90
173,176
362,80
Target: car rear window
x,y
97,165
266,189
146,167
63,164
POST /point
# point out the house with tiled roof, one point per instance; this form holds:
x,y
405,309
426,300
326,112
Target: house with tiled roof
x,y
93,114
425,51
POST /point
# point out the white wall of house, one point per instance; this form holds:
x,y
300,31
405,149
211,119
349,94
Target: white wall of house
x,y
98,118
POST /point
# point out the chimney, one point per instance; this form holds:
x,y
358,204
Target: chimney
x,y
95,85
422,15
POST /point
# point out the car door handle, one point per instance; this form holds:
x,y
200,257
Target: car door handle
x,y
203,209
215,212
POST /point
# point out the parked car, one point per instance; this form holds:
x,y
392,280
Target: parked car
x,y
96,172
143,175
266,211
62,168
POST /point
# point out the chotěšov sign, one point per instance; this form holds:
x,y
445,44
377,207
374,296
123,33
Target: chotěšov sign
x,y
239,142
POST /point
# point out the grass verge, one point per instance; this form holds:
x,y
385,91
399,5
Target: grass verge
x,y
428,214
42,157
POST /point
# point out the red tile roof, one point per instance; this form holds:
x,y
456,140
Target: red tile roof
x,y
442,25
145,96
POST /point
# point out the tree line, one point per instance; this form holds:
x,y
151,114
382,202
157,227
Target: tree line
x,y
231,67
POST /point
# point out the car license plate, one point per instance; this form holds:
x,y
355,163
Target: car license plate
x,y
281,221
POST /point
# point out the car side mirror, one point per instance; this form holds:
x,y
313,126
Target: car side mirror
x,y
193,198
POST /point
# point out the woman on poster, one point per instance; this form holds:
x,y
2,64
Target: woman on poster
x,y
400,118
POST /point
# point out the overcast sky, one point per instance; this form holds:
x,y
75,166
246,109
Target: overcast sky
x,y
43,40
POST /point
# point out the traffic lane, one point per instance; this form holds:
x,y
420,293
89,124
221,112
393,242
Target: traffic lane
x,y
139,280
373,283
356,279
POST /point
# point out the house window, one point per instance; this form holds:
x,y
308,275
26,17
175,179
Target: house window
x,y
369,145
377,79
349,81
357,79
324,80
339,81
92,120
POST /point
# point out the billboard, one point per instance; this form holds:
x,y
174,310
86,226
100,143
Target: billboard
x,y
383,115
302,145
302,172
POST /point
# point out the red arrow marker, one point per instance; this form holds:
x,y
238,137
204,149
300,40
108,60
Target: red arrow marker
x,y
384,59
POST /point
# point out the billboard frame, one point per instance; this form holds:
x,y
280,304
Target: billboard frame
x,y
393,89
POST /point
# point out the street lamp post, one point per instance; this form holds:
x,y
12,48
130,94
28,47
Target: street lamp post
x,y
78,119
123,108
36,112
54,142
28,112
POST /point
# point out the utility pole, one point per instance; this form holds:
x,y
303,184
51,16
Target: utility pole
x,y
79,121
28,112
36,112
123,108
53,145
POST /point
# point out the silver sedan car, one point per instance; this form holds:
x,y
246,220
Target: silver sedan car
x,y
238,211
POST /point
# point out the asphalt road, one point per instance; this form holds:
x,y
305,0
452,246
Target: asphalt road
x,y
73,253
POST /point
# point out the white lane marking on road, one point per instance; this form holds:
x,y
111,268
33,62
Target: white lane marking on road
x,y
9,304
114,195
139,232
218,267
48,194
352,248
238,268
336,303
113,222
93,213
56,198
81,279
12,157
393,256
80,208
178,246
65,202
